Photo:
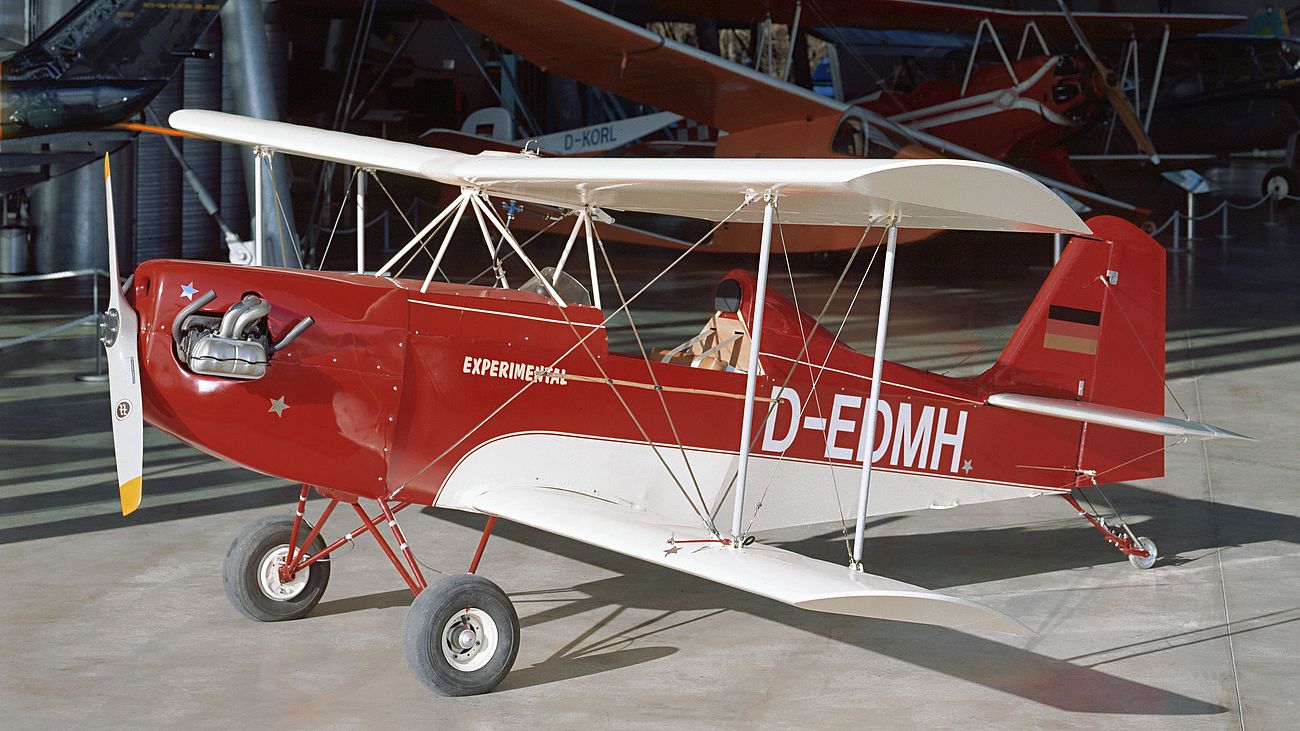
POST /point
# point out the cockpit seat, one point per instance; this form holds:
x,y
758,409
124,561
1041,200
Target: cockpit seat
x,y
723,343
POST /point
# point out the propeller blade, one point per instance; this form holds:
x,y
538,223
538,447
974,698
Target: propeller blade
x,y
121,343
1129,118
1118,99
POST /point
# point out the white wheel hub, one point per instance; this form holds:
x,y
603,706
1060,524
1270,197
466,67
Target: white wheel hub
x,y
1279,186
1149,560
470,639
268,576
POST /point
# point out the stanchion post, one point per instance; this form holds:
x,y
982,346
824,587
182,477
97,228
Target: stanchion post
x,y
1178,244
1223,226
1191,217
1272,211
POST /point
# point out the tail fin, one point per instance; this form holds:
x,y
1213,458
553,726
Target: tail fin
x,y
1096,333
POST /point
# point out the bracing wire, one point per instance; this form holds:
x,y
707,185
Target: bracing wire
x,y
581,342
328,242
816,377
281,218
672,425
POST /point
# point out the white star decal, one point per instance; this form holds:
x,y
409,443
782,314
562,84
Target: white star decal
x,y
277,407
188,291
966,467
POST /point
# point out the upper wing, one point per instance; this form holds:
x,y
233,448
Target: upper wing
x,y
959,18
764,570
585,44
931,194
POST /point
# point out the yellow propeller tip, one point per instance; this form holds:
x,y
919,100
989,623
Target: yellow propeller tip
x,y
130,492
105,166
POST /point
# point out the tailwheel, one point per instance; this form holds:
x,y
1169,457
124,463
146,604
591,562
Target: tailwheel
x,y
461,636
1149,560
254,581
1141,551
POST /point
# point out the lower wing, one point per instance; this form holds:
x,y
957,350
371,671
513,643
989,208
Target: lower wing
x,y
764,570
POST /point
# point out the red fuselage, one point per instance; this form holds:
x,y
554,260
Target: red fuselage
x,y
393,388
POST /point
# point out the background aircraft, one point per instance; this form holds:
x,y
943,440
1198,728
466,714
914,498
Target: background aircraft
x,y
764,116
1220,95
99,65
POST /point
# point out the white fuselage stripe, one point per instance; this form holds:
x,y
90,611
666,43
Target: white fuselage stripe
x,y
673,446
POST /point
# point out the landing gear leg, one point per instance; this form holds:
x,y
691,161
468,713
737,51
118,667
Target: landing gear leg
x,y
461,634
1141,551
271,574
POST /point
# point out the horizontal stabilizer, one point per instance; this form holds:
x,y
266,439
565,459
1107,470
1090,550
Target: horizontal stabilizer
x,y
1111,416
764,570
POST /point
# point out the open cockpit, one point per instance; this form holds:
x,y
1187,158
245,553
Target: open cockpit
x,y
723,343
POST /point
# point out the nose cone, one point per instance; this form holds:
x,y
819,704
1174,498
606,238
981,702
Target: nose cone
x,y
44,106
323,410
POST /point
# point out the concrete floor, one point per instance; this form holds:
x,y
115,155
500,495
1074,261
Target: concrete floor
x,y
122,623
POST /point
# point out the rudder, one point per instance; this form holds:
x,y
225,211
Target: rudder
x,y
1096,333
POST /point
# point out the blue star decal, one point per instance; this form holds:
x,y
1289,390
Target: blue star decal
x,y
188,291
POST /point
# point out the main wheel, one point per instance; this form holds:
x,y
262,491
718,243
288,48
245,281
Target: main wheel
x,y
1145,562
461,636
252,572
1280,183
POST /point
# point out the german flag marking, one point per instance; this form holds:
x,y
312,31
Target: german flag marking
x,y
1072,329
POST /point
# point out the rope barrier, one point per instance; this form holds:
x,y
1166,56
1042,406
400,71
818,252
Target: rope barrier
x,y
1223,208
1249,206
52,276
48,331
65,274
1172,218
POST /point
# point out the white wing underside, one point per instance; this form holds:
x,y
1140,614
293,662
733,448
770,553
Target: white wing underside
x,y
930,194
763,570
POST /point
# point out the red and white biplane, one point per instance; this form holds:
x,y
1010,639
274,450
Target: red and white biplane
x,y
376,390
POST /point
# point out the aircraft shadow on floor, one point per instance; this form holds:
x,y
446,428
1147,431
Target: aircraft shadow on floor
x,y
935,561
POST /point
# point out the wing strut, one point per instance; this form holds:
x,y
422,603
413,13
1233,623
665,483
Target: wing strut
x,y
591,264
877,364
751,377
259,157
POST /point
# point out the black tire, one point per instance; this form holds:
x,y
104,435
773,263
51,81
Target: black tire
x,y
460,601
1282,183
244,560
